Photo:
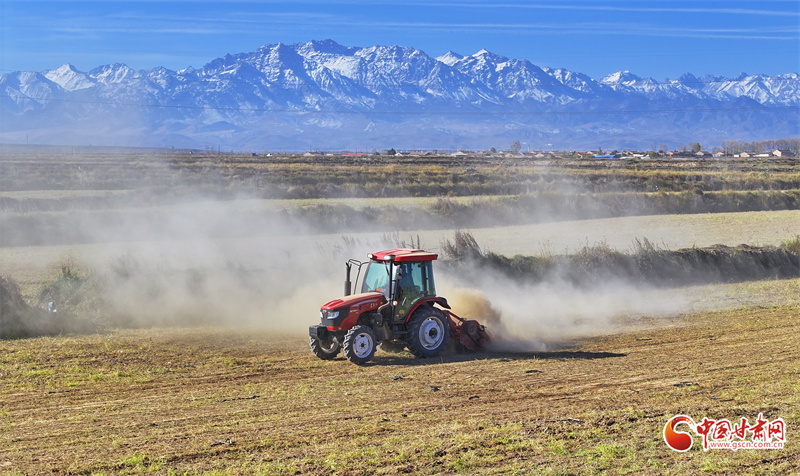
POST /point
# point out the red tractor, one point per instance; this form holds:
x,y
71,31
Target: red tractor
x,y
396,308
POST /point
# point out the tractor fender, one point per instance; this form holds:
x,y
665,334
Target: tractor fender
x,y
427,301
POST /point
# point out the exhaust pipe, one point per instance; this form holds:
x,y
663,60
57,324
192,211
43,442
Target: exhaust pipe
x,y
348,286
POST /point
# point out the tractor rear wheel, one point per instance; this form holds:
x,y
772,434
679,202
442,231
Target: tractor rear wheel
x,y
359,344
326,349
427,332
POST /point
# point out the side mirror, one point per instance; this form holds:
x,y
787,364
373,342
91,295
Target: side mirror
x,y
398,273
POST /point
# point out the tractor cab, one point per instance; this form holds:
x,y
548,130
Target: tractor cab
x,y
404,277
395,309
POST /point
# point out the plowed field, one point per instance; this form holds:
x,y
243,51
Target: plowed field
x,y
218,401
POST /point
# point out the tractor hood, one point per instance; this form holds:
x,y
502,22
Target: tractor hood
x,y
346,310
363,301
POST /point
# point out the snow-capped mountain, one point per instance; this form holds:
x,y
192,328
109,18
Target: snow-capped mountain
x,y
320,94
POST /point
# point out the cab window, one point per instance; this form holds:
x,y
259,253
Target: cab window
x,y
418,278
376,279
417,281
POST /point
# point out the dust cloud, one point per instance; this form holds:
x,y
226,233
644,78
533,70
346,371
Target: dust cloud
x,y
203,261
278,283
523,316
209,262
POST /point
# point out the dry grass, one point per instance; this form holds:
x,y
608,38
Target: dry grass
x,y
225,402
169,174
666,231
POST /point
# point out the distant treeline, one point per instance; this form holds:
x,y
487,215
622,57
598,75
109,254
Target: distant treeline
x,y
647,264
731,147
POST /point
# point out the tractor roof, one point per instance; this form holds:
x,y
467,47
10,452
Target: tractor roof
x,y
404,255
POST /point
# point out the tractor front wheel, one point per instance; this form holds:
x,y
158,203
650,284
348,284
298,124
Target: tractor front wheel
x,y
326,349
359,344
428,332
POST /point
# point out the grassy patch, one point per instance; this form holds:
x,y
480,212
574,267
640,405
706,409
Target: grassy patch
x,y
792,245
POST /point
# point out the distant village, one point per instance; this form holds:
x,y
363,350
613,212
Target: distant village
x,y
786,148
554,154
782,148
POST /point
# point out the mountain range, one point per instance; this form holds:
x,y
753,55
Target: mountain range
x,y
323,95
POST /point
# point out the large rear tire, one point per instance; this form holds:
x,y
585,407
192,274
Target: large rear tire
x,y
428,332
326,349
359,344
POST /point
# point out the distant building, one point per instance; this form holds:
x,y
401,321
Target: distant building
x,y
679,154
782,153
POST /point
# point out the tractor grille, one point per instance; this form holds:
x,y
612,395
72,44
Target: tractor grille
x,y
333,317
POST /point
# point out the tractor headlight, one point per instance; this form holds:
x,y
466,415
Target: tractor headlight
x,y
333,314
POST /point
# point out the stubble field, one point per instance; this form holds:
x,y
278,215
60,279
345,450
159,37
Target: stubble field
x,y
223,402
245,395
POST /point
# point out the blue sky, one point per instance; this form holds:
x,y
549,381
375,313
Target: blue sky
x,y
660,39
